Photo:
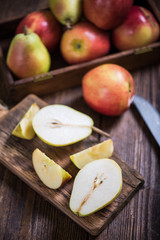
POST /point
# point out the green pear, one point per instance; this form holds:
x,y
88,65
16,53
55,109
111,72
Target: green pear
x,y
98,151
27,56
50,173
61,125
95,186
24,128
66,12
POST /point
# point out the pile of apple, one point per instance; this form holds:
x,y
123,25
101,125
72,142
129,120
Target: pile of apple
x,y
105,23
99,180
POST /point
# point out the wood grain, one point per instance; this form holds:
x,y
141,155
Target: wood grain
x,y
3,111
16,155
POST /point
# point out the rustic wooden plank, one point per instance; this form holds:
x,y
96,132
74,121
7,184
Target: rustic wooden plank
x,y
11,11
141,216
16,155
137,147
155,5
64,76
3,111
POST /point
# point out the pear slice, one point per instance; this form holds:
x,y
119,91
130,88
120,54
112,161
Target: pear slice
x,y
60,125
95,186
50,173
24,128
98,151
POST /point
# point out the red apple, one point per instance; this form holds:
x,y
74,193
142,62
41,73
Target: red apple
x,y
84,42
139,29
106,14
108,89
45,25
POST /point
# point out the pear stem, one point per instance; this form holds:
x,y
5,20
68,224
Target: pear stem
x,y
95,129
25,30
101,132
68,24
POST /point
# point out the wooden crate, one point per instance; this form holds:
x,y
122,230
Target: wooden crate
x,y
62,75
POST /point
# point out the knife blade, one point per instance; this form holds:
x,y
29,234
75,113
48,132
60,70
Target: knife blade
x,y
150,116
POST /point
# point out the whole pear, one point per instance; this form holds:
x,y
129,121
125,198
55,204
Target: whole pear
x,y
27,56
66,12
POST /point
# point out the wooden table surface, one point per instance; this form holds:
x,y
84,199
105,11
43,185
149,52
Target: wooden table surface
x,y
26,215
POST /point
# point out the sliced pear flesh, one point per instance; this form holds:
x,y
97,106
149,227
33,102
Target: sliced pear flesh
x,y
24,128
49,172
60,125
98,151
95,186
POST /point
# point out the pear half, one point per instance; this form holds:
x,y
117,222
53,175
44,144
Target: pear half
x,y
24,128
98,151
60,125
95,186
50,173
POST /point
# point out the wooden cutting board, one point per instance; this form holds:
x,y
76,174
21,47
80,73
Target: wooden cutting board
x,y
16,155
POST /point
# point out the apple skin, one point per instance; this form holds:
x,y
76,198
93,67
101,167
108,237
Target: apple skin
x,y
108,89
45,25
84,42
106,14
139,29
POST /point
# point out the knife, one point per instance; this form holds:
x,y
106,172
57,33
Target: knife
x,y
150,116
